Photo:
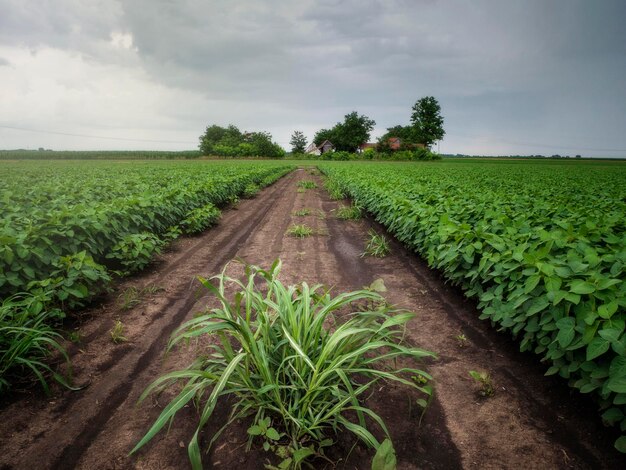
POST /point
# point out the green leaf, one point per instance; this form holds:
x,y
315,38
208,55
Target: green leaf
x,y
617,384
385,458
302,453
610,334
378,286
607,310
566,331
612,415
254,430
538,305
272,434
618,367
597,347
531,283
582,287
620,444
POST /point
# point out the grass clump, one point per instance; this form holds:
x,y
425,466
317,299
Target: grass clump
x,y
300,230
130,298
302,212
352,212
377,245
117,333
307,184
285,361
27,338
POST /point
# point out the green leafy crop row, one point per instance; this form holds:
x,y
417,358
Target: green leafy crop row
x,y
542,247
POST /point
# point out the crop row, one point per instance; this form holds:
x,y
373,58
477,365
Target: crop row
x,y
65,227
541,247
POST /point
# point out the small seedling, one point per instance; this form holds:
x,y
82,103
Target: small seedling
x,y
321,214
291,457
461,340
75,336
307,184
379,287
117,333
301,190
152,289
484,379
263,430
300,230
129,298
302,212
349,212
377,246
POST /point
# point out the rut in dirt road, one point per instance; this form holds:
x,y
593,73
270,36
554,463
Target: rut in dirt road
x,y
530,422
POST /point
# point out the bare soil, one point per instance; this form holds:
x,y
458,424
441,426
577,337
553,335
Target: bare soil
x,y
531,422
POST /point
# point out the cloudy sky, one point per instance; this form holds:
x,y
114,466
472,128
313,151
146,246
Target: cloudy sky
x,y
517,76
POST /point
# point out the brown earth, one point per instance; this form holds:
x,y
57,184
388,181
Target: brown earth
x,y
531,422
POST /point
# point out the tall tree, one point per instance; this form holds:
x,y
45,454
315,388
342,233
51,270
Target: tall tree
x,y
298,142
427,121
354,131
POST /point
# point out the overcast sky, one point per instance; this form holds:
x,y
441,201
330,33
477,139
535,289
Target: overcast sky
x,y
512,77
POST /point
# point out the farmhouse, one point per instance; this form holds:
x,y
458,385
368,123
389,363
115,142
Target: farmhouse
x,y
395,143
324,147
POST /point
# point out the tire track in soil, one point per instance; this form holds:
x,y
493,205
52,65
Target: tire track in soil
x,y
96,427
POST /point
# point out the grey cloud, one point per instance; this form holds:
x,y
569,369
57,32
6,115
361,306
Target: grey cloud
x,y
546,71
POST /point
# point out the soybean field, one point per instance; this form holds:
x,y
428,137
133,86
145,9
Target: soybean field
x,y
490,294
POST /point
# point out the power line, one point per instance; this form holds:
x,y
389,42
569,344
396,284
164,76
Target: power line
x,y
126,139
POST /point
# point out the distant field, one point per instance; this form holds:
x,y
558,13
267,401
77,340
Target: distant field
x,y
95,155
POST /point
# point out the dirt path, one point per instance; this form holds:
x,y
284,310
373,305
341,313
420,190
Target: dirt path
x,y
531,421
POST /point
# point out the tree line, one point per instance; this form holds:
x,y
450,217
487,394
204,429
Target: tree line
x,y
425,128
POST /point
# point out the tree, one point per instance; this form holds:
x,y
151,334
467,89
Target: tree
x,y
322,135
349,134
297,142
427,121
231,142
210,138
354,131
